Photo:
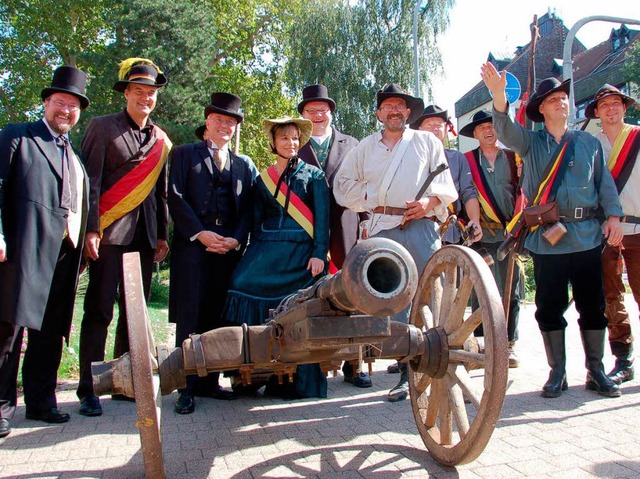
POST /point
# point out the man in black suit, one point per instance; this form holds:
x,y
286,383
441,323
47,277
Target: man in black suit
x,y
125,155
326,149
43,206
210,201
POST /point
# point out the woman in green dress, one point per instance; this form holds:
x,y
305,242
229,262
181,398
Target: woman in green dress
x,y
289,241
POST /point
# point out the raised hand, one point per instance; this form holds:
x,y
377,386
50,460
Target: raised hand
x,y
496,82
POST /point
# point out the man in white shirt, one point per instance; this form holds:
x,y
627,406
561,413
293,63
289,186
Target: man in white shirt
x,y
621,145
383,176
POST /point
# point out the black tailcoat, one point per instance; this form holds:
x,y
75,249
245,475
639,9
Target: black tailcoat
x,y
199,280
33,224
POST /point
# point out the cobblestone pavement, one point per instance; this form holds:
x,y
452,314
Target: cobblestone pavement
x,y
354,434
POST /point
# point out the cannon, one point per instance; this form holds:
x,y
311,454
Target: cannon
x,y
456,389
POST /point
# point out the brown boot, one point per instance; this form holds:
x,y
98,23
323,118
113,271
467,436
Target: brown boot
x,y
623,370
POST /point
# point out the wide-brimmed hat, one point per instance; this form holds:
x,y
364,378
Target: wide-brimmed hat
x,y
605,91
430,111
416,105
305,126
479,117
141,71
199,132
316,93
225,104
69,80
547,87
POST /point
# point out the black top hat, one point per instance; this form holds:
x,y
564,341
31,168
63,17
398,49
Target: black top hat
x,y
142,74
199,132
225,104
316,93
479,117
416,105
430,111
605,91
547,87
70,80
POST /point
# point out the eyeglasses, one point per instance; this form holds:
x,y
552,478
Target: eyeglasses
x,y
63,105
225,121
390,108
315,111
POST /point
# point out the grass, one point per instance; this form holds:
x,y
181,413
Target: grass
x,y
158,315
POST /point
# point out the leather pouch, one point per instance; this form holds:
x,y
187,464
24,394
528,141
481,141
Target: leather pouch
x,y
542,214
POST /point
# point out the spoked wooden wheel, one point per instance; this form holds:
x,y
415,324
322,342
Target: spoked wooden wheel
x,y
447,375
146,384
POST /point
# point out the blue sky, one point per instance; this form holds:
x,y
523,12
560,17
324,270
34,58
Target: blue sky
x,y
478,27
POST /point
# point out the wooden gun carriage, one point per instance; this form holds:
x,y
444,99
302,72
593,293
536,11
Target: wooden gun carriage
x,y
344,317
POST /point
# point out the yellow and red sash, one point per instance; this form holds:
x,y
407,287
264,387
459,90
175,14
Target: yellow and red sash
x,y
624,154
485,197
296,209
131,190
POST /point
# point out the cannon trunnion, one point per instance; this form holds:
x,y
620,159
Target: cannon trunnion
x,y
334,320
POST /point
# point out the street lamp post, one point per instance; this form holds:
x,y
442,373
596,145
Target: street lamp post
x,y
567,61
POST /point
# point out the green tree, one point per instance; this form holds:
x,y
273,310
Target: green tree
x,y
631,72
202,46
35,37
355,48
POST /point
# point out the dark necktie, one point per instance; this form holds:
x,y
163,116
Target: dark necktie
x,y
217,159
69,190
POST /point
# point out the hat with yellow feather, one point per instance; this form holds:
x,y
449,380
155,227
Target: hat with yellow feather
x,y
141,71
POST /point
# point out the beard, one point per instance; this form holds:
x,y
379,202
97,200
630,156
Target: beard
x,y
395,123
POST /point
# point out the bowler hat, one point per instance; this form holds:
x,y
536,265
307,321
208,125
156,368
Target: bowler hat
x,y
605,91
225,104
416,105
69,80
316,93
430,111
479,117
305,126
545,88
140,71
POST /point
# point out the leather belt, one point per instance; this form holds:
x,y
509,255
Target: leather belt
x,y
395,211
577,214
631,219
390,210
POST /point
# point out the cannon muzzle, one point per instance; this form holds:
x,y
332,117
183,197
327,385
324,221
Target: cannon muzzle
x,y
378,278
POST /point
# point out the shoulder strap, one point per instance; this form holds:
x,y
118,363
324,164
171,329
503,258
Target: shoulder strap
x,y
394,164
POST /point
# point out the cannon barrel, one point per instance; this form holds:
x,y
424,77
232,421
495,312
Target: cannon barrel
x,y
378,278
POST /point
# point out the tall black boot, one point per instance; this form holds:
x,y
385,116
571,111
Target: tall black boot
x,y
597,380
623,370
557,359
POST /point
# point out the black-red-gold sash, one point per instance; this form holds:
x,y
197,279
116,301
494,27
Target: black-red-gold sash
x,y
131,190
624,154
299,211
551,179
487,201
